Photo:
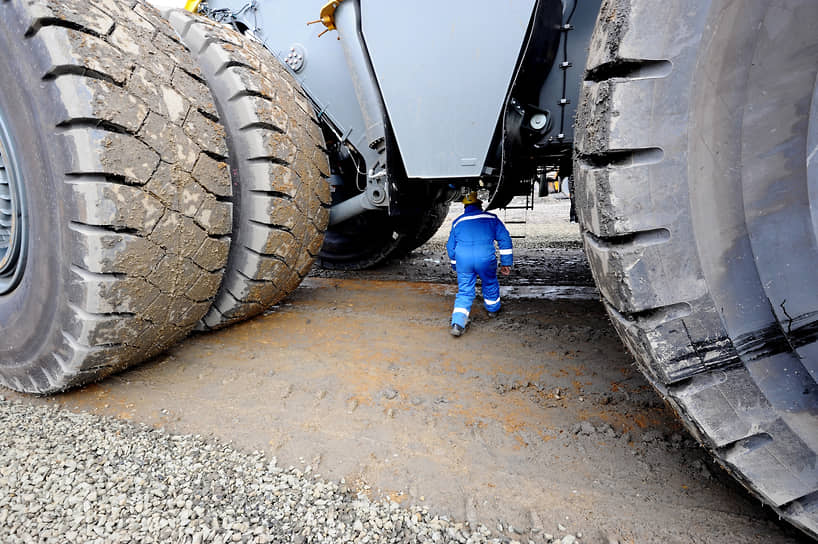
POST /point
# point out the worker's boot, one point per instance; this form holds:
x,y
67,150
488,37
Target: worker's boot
x,y
456,330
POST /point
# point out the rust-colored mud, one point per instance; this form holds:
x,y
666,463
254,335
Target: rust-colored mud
x,y
361,380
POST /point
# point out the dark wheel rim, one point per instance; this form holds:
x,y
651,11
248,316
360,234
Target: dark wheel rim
x,y
13,239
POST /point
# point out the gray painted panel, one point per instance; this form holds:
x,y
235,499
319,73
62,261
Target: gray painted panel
x,y
444,69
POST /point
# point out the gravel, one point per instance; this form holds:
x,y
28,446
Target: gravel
x,y
78,477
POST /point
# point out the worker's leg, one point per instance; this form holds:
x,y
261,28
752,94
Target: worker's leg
x,y
491,287
466,280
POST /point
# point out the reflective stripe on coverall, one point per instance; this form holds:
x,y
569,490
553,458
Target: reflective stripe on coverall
x,y
471,250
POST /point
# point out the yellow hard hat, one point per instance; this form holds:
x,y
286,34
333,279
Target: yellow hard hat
x,y
471,198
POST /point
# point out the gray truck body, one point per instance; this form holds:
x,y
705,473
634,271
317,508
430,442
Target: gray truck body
x,y
442,72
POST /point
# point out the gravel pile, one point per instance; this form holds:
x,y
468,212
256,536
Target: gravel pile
x,y
68,477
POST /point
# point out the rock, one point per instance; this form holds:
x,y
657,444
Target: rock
x,y
536,522
586,428
133,481
471,511
607,430
651,436
568,539
389,393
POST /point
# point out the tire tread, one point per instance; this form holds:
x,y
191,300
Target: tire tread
x,y
114,218
281,178
634,211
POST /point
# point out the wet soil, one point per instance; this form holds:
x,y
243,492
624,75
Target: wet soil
x,y
535,423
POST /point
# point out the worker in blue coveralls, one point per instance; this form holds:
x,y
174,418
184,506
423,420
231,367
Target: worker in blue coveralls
x,y
471,251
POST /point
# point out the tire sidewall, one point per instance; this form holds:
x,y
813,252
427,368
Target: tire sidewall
x,y
29,314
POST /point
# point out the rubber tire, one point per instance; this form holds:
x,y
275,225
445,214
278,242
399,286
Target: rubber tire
x,y
278,166
126,249
361,242
692,194
372,238
420,229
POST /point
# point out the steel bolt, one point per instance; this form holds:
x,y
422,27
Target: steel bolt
x,y
538,121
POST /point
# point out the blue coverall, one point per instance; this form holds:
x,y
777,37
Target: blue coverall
x,y
471,250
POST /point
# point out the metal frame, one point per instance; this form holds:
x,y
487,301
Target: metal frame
x,y
452,93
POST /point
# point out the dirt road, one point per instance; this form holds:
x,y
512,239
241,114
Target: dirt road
x,y
536,423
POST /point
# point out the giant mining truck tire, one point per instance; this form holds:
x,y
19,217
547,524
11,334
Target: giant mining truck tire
x,y
278,163
112,245
360,242
696,190
373,237
420,229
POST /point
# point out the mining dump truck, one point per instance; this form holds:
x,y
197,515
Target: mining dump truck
x,y
164,174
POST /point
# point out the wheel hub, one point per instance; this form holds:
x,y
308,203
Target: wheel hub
x,y
12,220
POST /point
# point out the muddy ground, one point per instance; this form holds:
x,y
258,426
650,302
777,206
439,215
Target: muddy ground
x,y
536,424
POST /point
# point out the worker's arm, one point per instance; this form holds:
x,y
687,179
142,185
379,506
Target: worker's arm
x,y
504,243
450,246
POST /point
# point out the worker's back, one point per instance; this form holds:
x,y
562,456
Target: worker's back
x,y
473,235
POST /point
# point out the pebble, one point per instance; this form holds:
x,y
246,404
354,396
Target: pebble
x,y
651,436
389,393
110,480
536,522
586,428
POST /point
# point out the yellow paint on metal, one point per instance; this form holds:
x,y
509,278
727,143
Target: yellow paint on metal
x,y
192,5
327,16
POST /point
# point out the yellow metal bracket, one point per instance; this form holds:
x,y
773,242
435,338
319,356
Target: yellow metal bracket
x,y
192,5
327,17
